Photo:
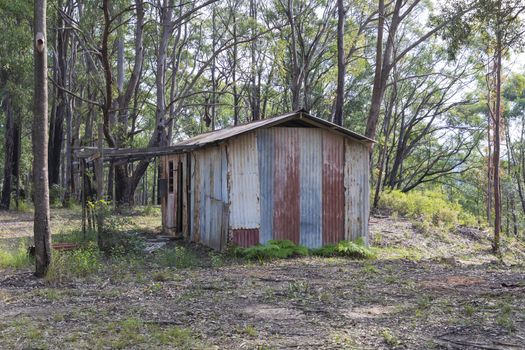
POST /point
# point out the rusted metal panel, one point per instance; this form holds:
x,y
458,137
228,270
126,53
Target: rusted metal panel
x,y
357,190
245,237
244,182
333,188
210,197
310,173
266,153
286,219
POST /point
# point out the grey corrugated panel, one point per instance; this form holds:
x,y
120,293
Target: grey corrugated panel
x,y
356,190
266,152
310,173
286,194
244,182
226,133
333,188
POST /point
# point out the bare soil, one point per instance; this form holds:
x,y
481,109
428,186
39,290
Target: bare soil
x,y
425,291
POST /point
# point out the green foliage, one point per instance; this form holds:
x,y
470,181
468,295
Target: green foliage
x,y
179,257
56,193
15,258
349,249
272,250
429,206
77,263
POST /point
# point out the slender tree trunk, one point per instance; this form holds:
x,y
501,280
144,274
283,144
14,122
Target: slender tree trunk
x,y
9,152
339,99
42,230
497,124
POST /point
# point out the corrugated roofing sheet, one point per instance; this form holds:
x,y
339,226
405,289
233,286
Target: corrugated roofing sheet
x,y
226,133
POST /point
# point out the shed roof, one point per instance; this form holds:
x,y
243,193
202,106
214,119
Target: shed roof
x,y
296,118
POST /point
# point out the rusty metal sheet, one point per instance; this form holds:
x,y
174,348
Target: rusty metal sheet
x,y
286,220
245,237
357,190
333,188
210,180
266,153
310,174
244,182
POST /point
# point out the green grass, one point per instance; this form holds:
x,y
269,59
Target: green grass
x,y
179,257
285,249
272,250
17,258
349,249
82,262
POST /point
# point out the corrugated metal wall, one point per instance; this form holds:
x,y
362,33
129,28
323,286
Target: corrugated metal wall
x,y
210,198
266,153
310,175
333,188
244,182
286,195
302,185
307,185
356,190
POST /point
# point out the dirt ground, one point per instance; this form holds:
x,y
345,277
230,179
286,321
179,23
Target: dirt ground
x,y
446,293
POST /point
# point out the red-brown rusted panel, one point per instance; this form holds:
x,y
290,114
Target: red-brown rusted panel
x,y
333,188
286,216
245,237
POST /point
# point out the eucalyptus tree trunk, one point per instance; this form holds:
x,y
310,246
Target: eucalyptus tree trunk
x,y
9,152
42,230
339,99
496,166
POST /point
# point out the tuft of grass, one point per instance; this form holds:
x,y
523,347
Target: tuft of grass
x,y
16,259
179,256
274,249
349,249
67,265
504,318
250,331
389,338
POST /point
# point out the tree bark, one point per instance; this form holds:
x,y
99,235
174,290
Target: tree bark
x,y
339,99
42,230
9,152
496,166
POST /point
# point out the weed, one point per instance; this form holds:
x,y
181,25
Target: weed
x,y
216,260
370,269
161,276
356,250
250,331
389,338
176,337
298,289
272,250
18,258
73,264
179,256
504,318
469,310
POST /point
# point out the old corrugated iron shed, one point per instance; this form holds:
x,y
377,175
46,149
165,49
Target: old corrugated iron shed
x,y
293,177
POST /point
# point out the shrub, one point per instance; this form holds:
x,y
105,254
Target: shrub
x,y
430,206
273,249
355,250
